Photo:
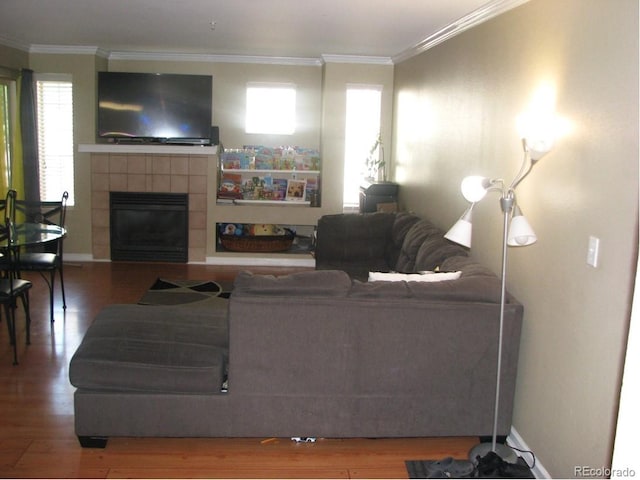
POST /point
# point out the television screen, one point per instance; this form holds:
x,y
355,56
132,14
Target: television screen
x,y
171,108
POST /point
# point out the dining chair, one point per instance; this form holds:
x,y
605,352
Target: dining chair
x,y
11,286
7,210
46,259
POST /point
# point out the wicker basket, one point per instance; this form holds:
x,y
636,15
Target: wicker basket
x,y
258,243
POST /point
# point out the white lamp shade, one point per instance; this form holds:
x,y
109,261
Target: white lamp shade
x,y
539,147
520,232
460,233
474,187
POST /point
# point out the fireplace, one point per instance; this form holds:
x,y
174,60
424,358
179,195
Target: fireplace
x,y
149,226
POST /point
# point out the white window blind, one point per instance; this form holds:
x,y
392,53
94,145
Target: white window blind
x,y
55,138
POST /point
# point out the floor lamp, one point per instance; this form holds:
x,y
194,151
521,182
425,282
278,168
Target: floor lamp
x,y
516,232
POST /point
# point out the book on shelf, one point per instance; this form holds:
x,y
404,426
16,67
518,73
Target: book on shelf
x,y
230,186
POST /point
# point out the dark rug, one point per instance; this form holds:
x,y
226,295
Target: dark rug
x,y
424,469
179,292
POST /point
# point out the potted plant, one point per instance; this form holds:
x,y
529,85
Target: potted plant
x,y
375,161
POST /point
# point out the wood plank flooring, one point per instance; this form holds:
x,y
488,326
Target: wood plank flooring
x,y
36,403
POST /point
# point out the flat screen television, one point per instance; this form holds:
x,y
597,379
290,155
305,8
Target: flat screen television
x,y
149,107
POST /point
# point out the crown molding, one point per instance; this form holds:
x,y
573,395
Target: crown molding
x,y
7,42
481,15
68,50
368,60
211,58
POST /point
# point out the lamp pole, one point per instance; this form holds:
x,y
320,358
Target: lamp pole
x,y
474,189
507,201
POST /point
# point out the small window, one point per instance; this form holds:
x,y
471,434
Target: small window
x,y
55,136
271,108
364,103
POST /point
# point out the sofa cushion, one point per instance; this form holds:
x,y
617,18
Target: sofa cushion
x,y
470,289
357,270
425,248
434,251
401,225
353,237
468,266
386,290
314,283
413,240
465,289
142,348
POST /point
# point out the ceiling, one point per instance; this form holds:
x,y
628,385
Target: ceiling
x,y
271,28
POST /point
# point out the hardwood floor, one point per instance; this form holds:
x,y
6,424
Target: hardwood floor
x,y
37,435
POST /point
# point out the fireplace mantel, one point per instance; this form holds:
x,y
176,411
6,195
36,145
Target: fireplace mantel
x,y
153,149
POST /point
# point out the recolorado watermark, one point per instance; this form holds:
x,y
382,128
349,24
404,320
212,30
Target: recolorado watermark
x,y
585,471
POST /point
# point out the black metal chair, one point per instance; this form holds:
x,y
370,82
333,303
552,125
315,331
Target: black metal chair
x,y
7,210
11,286
45,259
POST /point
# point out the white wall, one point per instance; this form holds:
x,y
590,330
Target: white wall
x,y
456,108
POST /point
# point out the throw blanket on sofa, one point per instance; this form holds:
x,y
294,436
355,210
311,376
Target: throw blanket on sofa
x,y
413,277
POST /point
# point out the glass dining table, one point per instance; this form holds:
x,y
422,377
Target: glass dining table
x,y
26,234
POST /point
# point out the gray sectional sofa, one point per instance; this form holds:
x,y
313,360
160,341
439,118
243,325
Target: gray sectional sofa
x,y
314,354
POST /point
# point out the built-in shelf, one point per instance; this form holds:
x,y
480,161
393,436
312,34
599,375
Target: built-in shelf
x,y
263,172
279,203
154,149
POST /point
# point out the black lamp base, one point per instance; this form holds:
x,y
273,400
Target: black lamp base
x,y
503,451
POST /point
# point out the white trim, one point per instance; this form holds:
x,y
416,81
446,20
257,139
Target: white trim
x,y
365,86
14,44
67,50
367,60
515,440
79,257
285,261
164,149
53,77
279,85
270,203
210,58
481,15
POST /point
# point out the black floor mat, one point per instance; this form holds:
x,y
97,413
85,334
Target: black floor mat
x,y
420,469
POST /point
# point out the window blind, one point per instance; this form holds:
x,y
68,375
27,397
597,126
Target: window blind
x,y
55,139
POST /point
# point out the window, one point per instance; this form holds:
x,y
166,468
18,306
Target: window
x,y
271,108
55,136
361,133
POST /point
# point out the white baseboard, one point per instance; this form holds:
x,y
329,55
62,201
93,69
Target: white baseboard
x,y
288,261
79,257
515,440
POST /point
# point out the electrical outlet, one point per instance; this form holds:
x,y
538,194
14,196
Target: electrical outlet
x,y
593,251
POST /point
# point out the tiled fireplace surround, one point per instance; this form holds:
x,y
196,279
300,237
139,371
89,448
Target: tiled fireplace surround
x,y
145,172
